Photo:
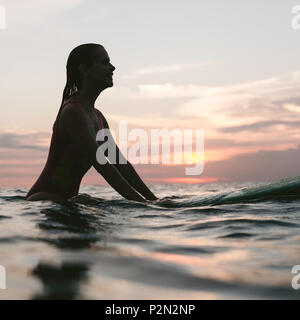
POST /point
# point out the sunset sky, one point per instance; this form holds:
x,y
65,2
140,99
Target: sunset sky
x,y
231,68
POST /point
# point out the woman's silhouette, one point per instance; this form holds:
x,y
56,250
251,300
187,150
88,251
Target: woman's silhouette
x,y
73,144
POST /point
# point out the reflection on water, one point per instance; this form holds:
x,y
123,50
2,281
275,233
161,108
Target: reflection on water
x,y
60,282
201,241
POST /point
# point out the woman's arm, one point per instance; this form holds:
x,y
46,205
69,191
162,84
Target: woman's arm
x,y
127,170
117,181
77,128
129,173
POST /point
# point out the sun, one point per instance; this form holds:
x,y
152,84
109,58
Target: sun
x,y
193,158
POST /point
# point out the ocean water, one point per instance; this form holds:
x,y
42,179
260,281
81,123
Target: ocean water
x,y
200,241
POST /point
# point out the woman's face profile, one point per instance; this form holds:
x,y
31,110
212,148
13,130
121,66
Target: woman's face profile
x,y
101,71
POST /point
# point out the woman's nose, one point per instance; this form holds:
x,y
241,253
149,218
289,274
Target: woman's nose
x,y
112,67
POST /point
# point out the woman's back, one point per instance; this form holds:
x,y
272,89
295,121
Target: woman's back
x,y
65,164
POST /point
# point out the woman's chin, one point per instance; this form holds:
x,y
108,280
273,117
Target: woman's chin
x,y
107,84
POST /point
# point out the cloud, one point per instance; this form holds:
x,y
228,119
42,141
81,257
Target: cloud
x,y
259,166
256,99
22,157
259,126
154,70
268,109
291,107
169,90
32,140
151,120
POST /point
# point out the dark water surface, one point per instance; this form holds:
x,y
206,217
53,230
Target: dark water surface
x,y
201,241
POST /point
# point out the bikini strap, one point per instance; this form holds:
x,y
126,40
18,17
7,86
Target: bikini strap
x,y
100,119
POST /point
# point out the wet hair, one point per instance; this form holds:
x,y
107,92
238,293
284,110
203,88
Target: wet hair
x,y
84,54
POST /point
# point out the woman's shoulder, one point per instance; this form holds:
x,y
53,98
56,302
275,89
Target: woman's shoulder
x,y
71,106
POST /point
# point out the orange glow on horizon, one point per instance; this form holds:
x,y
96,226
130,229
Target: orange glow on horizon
x,y
185,180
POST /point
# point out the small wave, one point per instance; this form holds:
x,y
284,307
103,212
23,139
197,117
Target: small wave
x,y
237,235
189,250
4,217
266,223
283,190
12,198
167,226
153,216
